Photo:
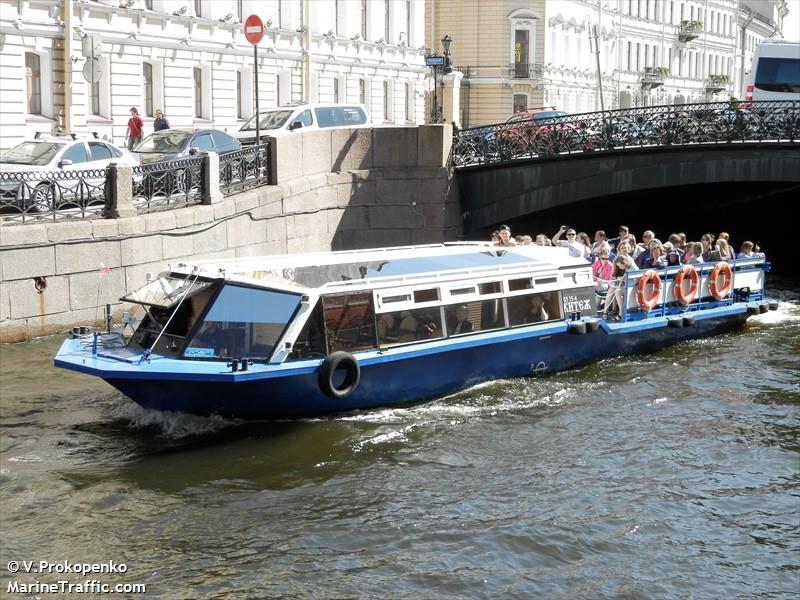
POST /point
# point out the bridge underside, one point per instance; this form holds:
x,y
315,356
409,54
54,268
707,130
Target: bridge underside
x,y
573,185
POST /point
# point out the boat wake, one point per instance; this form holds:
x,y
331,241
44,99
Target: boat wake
x,y
172,425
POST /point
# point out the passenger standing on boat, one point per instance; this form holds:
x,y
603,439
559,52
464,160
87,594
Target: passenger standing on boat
x,y
647,237
505,237
707,240
537,312
674,254
460,324
495,237
724,235
599,239
543,240
622,234
575,248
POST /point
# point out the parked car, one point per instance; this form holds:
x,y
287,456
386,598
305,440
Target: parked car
x,y
534,131
161,176
47,161
305,116
170,144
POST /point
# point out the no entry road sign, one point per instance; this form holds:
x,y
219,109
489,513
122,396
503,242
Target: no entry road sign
x,y
253,29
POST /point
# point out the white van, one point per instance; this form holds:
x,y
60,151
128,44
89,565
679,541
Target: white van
x,y
305,116
775,73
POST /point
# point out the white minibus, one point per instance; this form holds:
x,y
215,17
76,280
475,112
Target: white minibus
x,y
305,116
775,73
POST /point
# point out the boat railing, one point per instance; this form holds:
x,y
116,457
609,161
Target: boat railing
x,y
667,303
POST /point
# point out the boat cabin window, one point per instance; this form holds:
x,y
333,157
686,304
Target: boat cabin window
x,y
431,295
517,285
310,343
534,308
490,287
462,291
187,298
349,321
405,326
243,322
470,317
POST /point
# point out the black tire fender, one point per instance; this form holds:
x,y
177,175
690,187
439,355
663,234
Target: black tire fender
x,y
773,305
675,322
688,320
329,366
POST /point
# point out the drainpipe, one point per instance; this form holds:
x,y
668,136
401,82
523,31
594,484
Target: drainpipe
x,y
67,64
306,43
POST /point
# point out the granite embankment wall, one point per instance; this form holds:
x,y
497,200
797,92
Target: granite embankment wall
x,y
334,190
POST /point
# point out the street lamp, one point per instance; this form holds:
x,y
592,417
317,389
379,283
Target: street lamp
x,y
446,41
440,65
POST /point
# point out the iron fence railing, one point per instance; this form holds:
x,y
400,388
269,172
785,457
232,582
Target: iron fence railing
x,y
168,184
244,169
38,195
685,124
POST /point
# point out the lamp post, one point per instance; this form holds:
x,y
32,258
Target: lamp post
x,y
440,64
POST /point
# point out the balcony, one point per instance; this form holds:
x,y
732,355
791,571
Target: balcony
x,y
526,71
653,77
716,83
689,30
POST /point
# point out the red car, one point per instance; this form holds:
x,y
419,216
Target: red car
x,y
535,131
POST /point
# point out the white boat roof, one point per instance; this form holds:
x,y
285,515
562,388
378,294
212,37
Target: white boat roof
x,y
385,266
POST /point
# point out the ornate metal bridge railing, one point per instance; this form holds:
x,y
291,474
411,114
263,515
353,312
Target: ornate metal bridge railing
x,y
244,169
169,184
673,125
38,195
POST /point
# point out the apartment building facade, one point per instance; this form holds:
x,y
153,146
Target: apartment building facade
x,y
517,55
81,64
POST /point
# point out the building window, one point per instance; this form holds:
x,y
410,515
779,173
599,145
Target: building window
x,y
386,30
240,10
148,4
363,19
336,89
520,103
198,8
362,91
33,80
409,25
521,52
239,110
336,24
147,73
198,92
387,102
409,102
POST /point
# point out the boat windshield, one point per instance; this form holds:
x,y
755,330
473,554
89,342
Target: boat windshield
x,y
243,322
166,290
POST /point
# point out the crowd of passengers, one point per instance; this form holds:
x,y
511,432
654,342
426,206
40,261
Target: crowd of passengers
x,y
611,258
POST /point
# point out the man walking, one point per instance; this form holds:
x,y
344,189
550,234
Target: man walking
x,y
160,121
134,133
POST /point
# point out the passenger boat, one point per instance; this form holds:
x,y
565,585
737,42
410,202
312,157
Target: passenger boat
x,y
314,334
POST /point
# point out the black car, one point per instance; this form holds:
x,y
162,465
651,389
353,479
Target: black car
x,y
170,144
165,170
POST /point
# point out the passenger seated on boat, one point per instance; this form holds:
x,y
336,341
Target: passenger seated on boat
x,y
407,330
616,292
693,253
720,252
387,327
538,311
457,320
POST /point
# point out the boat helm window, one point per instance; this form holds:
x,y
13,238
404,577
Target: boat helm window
x,y
349,321
243,322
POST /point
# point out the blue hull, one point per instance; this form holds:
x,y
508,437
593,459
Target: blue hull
x,y
401,375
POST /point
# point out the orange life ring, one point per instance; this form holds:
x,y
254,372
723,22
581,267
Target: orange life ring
x,y
694,281
648,301
721,269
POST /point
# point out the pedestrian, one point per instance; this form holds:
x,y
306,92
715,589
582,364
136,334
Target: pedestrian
x,y
160,121
133,135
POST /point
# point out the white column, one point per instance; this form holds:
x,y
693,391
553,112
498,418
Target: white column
x,y
451,97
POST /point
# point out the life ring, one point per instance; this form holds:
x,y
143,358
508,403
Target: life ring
x,y
645,300
329,366
694,282
721,269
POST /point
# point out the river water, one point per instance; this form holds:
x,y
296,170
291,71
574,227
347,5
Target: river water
x,y
669,475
